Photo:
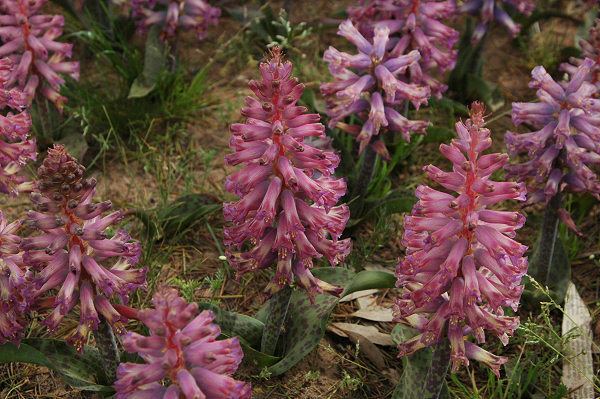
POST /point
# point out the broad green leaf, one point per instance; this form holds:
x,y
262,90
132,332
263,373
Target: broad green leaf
x,y
155,60
277,312
237,324
368,279
306,322
83,371
418,369
255,357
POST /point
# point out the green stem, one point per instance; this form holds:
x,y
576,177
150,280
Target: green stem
x,y
361,186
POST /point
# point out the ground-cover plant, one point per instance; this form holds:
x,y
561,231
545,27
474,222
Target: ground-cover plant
x,y
16,147
562,156
183,348
462,264
30,41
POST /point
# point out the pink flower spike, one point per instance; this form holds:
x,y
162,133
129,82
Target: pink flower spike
x,y
30,41
373,85
563,149
287,211
196,15
73,253
490,10
413,25
183,357
462,264
14,294
16,147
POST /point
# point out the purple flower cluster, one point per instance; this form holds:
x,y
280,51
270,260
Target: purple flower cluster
x,y
490,10
74,247
418,26
13,273
590,48
286,212
30,42
564,151
372,84
16,148
462,264
183,349
175,14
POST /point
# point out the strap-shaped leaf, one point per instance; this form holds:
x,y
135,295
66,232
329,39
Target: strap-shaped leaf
x,y
424,371
278,307
155,60
83,371
237,324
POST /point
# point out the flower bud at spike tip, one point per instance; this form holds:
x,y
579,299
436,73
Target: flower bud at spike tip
x,y
30,42
183,358
287,208
462,265
195,15
77,261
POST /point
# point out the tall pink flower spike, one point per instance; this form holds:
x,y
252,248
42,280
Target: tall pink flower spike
x,y
287,211
462,264
177,14
74,253
30,42
16,147
182,351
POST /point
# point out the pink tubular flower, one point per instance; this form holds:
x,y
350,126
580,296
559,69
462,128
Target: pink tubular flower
x,y
286,210
490,10
74,246
371,85
16,148
175,14
462,264
182,349
564,151
418,25
13,299
590,49
30,41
